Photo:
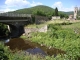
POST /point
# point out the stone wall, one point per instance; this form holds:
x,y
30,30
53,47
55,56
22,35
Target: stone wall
x,y
40,19
55,17
28,31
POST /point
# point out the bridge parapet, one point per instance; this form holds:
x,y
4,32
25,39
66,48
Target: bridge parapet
x,y
14,15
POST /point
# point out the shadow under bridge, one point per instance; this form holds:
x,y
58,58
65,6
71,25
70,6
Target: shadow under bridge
x,y
16,29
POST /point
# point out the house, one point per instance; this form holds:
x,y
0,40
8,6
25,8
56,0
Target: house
x,y
55,17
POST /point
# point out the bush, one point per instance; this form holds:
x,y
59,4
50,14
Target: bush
x,y
64,39
65,23
54,27
66,34
33,19
3,55
3,30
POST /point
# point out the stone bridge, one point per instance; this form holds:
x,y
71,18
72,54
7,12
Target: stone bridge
x,y
15,22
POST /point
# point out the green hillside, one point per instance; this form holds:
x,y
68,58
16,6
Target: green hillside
x,y
72,13
40,10
43,8
79,13
31,10
69,13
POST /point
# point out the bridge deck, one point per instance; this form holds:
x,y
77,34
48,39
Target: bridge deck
x,y
13,20
14,15
10,17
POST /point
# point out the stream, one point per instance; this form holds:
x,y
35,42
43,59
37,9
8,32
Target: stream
x,y
32,47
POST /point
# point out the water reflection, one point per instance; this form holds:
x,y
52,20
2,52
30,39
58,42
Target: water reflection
x,y
7,40
32,47
36,51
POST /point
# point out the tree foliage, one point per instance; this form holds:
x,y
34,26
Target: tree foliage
x,y
42,11
56,11
62,15
3,30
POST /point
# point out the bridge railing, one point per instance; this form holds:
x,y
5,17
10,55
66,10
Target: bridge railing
x,y
14,15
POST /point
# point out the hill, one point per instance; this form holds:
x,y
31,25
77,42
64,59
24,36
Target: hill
x,y
79,12
31,10
41,10
69,13
45,9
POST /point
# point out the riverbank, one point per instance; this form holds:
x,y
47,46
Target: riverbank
x,y
20,44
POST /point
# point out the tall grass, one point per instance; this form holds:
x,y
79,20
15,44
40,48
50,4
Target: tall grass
x,y
61,38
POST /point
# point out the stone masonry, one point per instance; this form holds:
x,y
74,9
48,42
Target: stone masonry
x,y
28,31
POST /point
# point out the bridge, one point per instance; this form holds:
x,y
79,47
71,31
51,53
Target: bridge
x,y
16,22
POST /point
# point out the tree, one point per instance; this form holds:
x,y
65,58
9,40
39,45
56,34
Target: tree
x,y
3,30
56,11
39,12
62,15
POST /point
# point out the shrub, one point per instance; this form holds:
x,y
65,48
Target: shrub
x,y
3,56
3,30
54,26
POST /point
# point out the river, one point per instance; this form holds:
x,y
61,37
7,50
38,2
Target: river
x,y
32,47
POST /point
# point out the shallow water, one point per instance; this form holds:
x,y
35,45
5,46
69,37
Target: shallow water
x,y
32,47
36,51
7,40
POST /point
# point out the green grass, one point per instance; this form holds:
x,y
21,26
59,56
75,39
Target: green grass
x,y
59,36
46,23
35,26
76,23
63,38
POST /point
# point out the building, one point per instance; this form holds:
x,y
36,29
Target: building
x,y
75,12
71,17
55,17
74,17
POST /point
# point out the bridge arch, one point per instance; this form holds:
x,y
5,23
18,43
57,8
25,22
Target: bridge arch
x,y
15,29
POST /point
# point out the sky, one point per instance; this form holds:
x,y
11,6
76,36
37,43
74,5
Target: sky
x,y
62,5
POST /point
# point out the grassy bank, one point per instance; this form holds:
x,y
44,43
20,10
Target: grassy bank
x,y
62,35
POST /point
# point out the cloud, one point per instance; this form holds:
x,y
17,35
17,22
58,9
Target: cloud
x,y
16,3
67,9
20,3
35,3
61,7
58,4
6,10
11,5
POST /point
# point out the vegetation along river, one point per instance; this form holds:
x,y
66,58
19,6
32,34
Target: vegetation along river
x,y
32,47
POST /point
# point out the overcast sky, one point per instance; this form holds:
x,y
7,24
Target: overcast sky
x,y
63,5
